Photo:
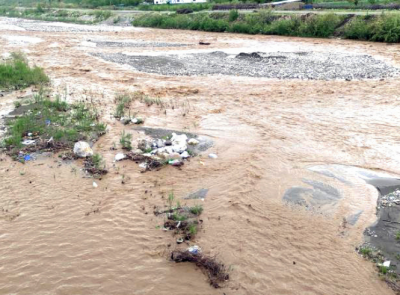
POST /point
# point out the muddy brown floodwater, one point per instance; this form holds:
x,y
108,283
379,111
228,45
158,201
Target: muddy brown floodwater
x,y
289,152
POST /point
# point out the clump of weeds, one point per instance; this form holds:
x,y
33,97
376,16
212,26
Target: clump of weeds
x,y
126,141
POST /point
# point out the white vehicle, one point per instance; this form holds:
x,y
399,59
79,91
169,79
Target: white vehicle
x,y
178,1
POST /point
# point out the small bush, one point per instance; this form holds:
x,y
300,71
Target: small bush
x,y
320,25
387,29
233,15
97,160
357,28
125,141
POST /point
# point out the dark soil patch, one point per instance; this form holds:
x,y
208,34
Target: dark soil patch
x,y
216,271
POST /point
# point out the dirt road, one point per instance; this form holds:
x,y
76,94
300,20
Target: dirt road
x,y
61,235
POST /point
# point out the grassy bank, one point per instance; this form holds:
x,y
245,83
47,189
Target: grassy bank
x,y
16,73
40,13
385,28
50,125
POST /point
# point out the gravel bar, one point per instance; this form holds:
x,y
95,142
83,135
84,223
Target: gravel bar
x,y
280,65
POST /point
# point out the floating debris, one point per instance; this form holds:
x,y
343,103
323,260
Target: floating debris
x,y
216,271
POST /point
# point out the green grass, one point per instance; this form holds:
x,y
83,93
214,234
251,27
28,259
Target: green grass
x,y
382,28
365,251
126,141
16,73
383,269
97,160
196,210
171,199
178,217
193,229
123,101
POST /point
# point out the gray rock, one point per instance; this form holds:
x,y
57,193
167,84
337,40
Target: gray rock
x,y
200,194
82,149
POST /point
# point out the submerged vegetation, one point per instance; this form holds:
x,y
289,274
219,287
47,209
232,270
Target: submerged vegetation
x,y
15,73
384,28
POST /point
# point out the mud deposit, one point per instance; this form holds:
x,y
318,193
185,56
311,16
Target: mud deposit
x,y
64,232
280,65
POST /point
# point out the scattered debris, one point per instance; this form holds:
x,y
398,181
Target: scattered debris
x,y
95,184
216,271
172,149
148,162
28,141
212,156
204,43
390,199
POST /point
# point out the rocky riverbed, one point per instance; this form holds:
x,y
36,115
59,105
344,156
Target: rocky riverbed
x,y
279,65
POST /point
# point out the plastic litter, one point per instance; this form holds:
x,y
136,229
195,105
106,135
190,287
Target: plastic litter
x,y
143,165
179,241
185,155
27,158
28,142
119,157
386,264
48,122
212,156
95,184
194,249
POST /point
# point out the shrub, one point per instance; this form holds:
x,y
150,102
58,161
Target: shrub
x,y
357,28
233,15
125,141
320,25
17,74
386,29
285,27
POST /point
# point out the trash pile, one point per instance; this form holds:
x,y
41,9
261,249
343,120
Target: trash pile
x,y
155,153
390,199
184,222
